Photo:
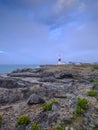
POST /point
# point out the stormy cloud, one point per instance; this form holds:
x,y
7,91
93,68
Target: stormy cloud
x,y
37,31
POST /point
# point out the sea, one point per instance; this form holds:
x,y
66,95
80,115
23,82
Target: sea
x,y
4,69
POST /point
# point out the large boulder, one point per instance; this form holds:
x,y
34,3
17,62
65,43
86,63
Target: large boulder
x,y
35,99
63,75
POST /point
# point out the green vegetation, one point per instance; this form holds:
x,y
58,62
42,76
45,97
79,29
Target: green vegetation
x,y
23,120
95,81
75,116
92,80
55,102
93,93
48,107
0,121
79,111
83,104
95,85
35,127
63,124
95,128
95,68
59,128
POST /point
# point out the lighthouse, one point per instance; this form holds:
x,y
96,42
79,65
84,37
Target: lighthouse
x,y
59,60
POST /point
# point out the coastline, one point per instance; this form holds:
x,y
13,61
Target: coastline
x,y
64,83
8,68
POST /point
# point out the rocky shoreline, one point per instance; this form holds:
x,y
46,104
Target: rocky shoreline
x,y
27,91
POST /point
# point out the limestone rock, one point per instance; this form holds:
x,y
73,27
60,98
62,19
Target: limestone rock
x,y
96,107
64,75
21,128
53,118
35,99
67,121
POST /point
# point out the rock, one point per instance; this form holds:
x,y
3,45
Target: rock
x,y
24,74
44,126
68,83
96,107
71,128
47,79
20,128
46,74
59,96
63,75
91,125
9,96
96,123
53,118
55,107
67,121
35,99
41,117
26,70
66,128
96,87
91,101
10,82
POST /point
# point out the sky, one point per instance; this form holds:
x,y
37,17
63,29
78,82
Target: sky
x,y
39,31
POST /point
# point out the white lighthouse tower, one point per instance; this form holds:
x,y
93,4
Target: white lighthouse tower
x,y
59,60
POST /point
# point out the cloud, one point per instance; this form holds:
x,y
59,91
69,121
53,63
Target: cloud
x,y
38,30
56,13
2,52
63,6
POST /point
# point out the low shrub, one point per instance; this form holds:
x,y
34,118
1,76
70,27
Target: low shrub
x,y
82,103
92,93
55,102
94,68
63,124
0,121
95,85
59,128
48,106
35,127
75,116
96,80
91,80
95,128
23,120
49,128
79,111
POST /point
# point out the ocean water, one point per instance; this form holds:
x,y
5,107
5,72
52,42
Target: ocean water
x,y
9,68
